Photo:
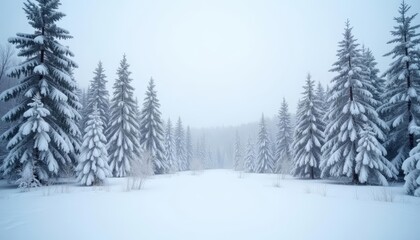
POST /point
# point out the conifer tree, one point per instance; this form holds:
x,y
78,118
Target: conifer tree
x,y
151,130
371,165
321,96
169,147
308,138
93,167
283,155
188,148
98,95
46,90
238,161
411,167
249,163
264,159
352,107
401,108
181,157
123,146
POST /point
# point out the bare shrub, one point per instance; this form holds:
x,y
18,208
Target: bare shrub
x,y
383,195
141,170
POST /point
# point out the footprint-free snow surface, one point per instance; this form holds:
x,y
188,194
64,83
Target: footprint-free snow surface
x,y
213,204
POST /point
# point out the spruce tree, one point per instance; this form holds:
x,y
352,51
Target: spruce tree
x,y
181,157
371,165
352,107
249,162
401,108
188,148
321,96
284,138
169,147
265,162
98,95
123,133
93,167
309,137
46,90
238,161
378,84
411,167
151,130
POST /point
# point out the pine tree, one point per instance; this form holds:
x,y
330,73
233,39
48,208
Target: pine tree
x,y
181,157
411,167
371,165
169,147
98,95
284,138
238,163
188,148
93,165
45,85
265,162
401,107
249,163
83,96
378,84
151,129
351,108
123,146
321,96
308,137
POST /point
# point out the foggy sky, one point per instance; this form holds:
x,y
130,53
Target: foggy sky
x,y
216,62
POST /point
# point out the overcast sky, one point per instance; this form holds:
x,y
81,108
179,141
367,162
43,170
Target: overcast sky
x,y
216,62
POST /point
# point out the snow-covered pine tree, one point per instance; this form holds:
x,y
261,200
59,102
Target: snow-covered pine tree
x,y
284,138
321,96
188,148
265,162
371,165
83,96
123,143
93,167
249,162
351,108
378,84
401,109
308,138
411,167
181,157
98,95
45,75
169,147
238,161
151,131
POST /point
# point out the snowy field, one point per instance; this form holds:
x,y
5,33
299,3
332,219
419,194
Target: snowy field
x,y
214,204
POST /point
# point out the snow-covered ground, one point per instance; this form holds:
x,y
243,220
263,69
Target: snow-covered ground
x,y
214,204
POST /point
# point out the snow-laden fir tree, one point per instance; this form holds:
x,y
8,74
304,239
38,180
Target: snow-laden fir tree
x,y
238,161
181,157
45,82
123,133
411,168
249,161
378,84
188,148
98,95
321,96
308,138
401,108
284,138
352,107
93,167
151,130
264,163
169,147
371,165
